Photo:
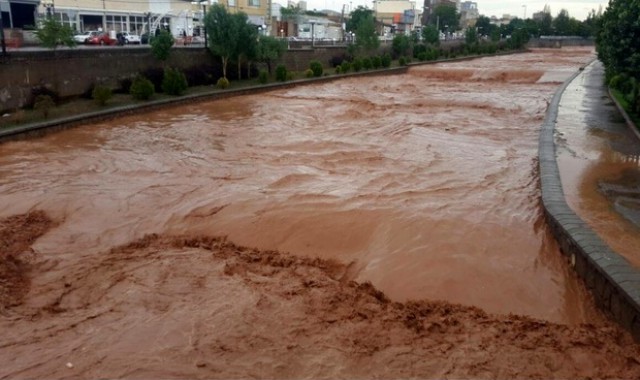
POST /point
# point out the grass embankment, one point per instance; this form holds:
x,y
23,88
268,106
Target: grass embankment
x,y
620,98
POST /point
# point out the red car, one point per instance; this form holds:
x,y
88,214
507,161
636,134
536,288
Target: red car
x,y
101,39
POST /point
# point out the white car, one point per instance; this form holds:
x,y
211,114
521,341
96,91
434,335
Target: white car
x,y
84,37
131,38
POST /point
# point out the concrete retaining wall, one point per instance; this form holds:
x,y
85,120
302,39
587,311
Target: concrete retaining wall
x,y
614,282
71,72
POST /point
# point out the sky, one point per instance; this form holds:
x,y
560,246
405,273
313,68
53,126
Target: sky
x,y
578,9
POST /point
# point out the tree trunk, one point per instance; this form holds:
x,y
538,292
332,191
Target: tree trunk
x,y
225,60
239,68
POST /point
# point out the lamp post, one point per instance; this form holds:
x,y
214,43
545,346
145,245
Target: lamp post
x,y
3,43
313,33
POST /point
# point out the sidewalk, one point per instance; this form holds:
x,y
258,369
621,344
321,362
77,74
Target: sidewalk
x,y
590,184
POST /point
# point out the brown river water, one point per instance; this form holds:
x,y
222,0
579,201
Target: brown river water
x,y
423,184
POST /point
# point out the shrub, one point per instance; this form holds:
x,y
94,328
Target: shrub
x,y
336,60
281,73
44,103
156,76
42,90
422,56
316,67
125,85
141,88
385,60
174,82
345,67
222,83
263,77
617,80
376,62
101,95
309,73
338,69
290,75
402,61
356,65
366,63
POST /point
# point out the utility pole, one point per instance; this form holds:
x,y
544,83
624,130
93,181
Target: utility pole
x,y
2,41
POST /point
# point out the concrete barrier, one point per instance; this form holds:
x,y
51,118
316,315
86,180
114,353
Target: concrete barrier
x,y
614,282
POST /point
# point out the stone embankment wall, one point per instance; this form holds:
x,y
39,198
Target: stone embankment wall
x,y
558,42
72,72
614,282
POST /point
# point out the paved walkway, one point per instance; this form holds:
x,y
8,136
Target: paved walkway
x,y
589,154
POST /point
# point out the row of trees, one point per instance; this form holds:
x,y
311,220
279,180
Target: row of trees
x,y
618,48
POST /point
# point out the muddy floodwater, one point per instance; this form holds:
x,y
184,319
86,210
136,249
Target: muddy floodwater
x,y
426,182
287,235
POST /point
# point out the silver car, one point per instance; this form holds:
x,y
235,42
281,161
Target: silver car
x,y
84,37
130,38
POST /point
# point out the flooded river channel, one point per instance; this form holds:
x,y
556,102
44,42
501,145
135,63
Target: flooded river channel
x,y
426,184
235,238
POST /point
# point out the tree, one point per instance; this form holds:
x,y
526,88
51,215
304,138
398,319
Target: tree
x,y
248,37
617,42
161,45
52,33
290,13
366,36
357,16
471,36
269,49
430,35
447,16
484,26
223,34
401,45
562,23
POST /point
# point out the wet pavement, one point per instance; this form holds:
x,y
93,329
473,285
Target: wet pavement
x,y
599,156
426,183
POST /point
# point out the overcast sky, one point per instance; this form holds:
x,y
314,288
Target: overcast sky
x,y
577,8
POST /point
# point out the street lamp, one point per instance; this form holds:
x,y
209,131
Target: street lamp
x,y
313,34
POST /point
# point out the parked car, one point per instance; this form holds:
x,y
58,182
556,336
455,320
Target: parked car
x,y
101,38
131,38
83,38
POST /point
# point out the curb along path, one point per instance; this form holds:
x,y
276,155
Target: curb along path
x,y
614,282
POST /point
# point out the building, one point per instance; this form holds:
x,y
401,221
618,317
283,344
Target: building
x,y
398,15
178,16
468,14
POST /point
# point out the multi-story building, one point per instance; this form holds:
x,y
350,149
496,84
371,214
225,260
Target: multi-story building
x,y
400,14
468,13
140,16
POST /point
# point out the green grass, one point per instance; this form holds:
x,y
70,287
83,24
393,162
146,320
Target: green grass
x,y
625,105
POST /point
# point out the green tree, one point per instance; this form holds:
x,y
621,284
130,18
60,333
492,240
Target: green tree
x,y
52,33
161,45
430,35
447,16
401,45
562,23
223,34
366,36
617,42
484,26
471,36
269,50
290,13
248,37
357,16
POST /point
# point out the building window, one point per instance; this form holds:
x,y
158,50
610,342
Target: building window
x,y
232,3
254,3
